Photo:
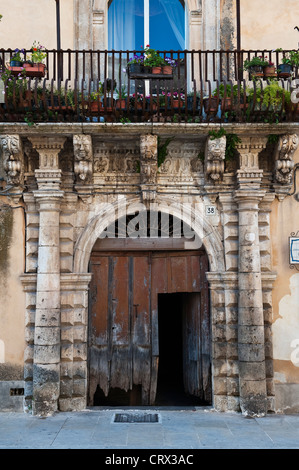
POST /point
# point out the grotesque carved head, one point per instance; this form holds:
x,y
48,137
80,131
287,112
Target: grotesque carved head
x,y
11,146
148,147
82,147
287,145
216,148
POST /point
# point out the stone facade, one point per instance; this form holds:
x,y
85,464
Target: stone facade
x,y
78,179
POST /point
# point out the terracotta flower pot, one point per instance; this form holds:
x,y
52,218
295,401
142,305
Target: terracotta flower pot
x,y
120,104
156,70
95,106
269,71
37,70
167,70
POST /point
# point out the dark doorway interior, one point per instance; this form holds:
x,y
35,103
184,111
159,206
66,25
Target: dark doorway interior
x,y
170,388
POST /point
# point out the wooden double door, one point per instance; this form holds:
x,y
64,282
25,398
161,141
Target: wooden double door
x,y
149,325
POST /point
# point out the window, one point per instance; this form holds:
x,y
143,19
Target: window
x,y
133,23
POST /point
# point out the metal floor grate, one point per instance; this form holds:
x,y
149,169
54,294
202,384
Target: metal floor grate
x,y
136,418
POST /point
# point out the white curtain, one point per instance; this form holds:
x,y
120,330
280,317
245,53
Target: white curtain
x,y
122,16
176,18
121,24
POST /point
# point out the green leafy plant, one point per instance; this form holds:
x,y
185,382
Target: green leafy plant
x,y
38,53
14,86
270,97
290,58
98,94
125,120
231,91
17,55
122,93
162,150
231,141
273,139
256,61
217,134
152,58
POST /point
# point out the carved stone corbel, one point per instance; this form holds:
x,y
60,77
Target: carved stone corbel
x,y
13,160
148,166
214,159
284,163
83,165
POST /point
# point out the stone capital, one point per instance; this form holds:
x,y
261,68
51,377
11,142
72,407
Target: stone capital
x,y
248,199
249,175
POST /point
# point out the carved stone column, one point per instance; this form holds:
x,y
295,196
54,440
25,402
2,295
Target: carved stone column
x,y
46,359
251,340
148,166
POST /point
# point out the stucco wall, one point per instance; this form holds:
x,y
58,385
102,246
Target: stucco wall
x,y
285,327
269,24
12,320
24,22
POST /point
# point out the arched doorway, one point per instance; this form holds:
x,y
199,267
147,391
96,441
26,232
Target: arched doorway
x,y
149,335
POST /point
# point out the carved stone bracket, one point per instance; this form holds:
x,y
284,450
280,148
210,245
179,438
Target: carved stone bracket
x,y
13,160
83,166
284,163
214,159
148,166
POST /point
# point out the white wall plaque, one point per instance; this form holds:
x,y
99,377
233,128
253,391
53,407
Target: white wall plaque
x,y
294,250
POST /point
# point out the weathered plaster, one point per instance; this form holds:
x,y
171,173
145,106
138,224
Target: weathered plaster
x,y
286,327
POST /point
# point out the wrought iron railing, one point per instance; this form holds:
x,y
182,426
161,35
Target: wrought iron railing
x,y
88,86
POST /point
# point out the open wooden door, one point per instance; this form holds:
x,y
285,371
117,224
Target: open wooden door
x,y
124,336
192,372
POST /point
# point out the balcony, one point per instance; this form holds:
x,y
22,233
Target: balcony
x,y
98,86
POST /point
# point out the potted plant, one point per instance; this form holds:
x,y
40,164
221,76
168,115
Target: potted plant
x,y
177,100
122,96
135,65
225,95
168,66
285,67
95,99
269,70
136,101
108,88
16,59
153,60
255,66
38,55
193,101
